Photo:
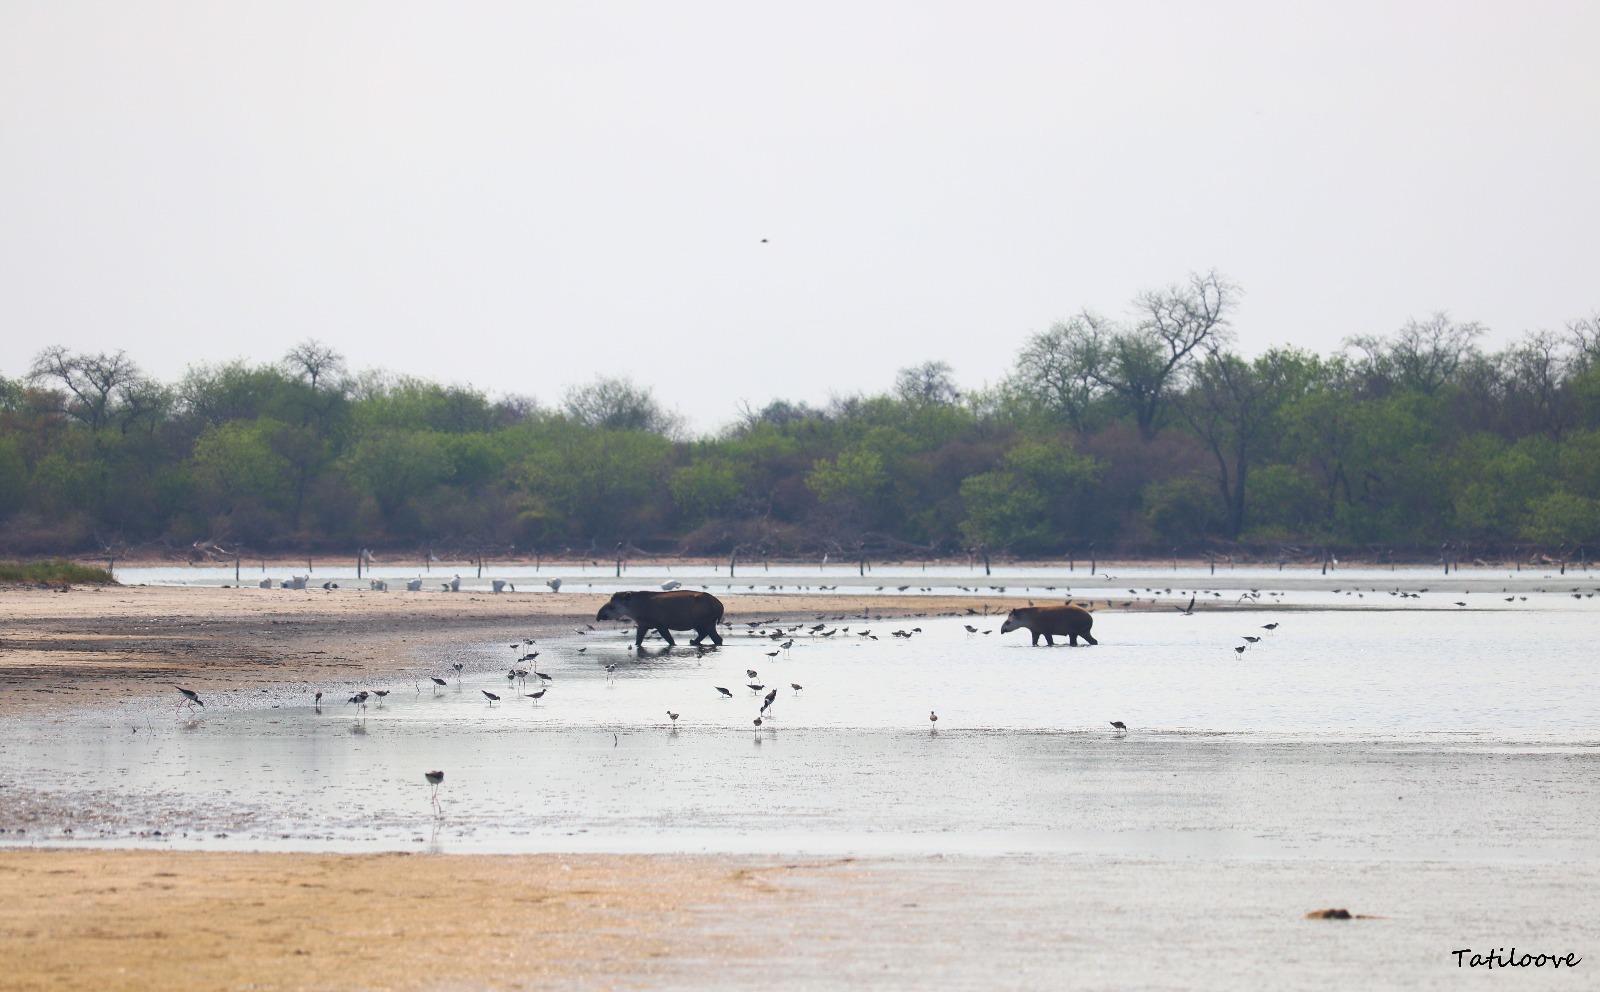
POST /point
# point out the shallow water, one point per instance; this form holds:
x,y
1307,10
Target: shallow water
x,y
1344,587
1343,734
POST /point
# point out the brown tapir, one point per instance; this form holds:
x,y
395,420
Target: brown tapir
x,y
1072,622
663,612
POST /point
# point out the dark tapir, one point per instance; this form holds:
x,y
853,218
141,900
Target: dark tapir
x,y
1071,622
663,612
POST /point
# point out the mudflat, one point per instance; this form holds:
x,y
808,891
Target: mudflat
x,y
75,647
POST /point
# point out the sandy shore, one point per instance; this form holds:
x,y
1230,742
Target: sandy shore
x,y
186,920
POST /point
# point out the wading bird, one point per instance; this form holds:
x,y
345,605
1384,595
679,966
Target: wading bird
x,y
191,699
492,697
1119,725
438,683
725,692
750,672
435,779
536,696
672,716
767,704
796,687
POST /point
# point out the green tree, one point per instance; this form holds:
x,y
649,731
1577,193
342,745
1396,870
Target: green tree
x,y
1231,404
618,405
396,470
1033,501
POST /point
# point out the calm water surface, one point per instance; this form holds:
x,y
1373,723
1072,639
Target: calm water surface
x,y
1414,731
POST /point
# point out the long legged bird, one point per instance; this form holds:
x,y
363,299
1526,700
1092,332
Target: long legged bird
x,y
435,779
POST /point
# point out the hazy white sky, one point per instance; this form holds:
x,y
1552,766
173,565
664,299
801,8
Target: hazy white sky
x,y
522,195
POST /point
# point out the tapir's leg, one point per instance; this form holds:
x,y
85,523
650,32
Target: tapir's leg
x,y
1072,640
666,635
1089,637
1049,641
638,636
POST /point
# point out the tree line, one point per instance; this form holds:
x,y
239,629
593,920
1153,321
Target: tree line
x,y
1141,435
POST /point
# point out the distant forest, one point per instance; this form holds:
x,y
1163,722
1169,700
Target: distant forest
x,y
1141,435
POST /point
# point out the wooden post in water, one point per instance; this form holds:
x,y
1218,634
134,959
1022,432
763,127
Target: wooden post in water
x,y
1091,558
358,566
733,561
236,566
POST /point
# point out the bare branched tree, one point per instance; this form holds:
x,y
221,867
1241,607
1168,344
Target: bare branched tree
x,y
1423,355
314,361
1585,335
928,384
94,385
1139,364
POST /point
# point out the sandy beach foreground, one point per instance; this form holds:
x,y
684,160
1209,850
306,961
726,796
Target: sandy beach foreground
x,y
87,918
187,920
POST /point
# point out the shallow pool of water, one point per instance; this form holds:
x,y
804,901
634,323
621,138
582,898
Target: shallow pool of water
x,y
1456,733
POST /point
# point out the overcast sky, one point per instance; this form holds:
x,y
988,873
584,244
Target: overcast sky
x,y
520,196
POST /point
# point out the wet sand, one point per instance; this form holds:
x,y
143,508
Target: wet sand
x,y
76,918
75,648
